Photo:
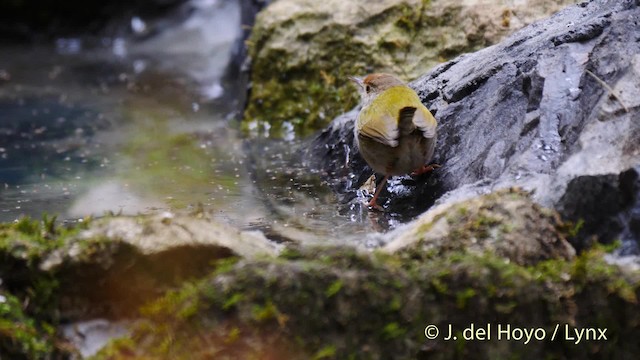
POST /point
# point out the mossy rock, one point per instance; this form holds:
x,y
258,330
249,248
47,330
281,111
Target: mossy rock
x,y
303,51
23,246
28,295
24,337
338,303
90,269
507,223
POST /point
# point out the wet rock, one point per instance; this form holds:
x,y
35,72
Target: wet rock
x,y
604,208
557,100
91,336
506,223
303,50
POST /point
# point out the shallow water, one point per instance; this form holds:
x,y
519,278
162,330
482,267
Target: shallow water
x,y
95,126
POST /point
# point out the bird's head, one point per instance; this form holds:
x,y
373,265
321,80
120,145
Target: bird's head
x,y
374,84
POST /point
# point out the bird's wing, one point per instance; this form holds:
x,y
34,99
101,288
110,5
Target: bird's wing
x,y
390,123
424,121
382,128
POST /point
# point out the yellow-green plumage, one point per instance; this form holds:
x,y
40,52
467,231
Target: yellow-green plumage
x,y
382,114
395,132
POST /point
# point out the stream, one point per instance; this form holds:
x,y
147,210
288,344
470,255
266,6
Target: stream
x,y
142,124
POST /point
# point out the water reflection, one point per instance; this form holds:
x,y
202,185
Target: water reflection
x,y
93,125
82,134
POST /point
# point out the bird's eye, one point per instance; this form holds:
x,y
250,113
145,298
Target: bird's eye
x,y
368,88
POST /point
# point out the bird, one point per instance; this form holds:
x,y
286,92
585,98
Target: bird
x,y
394,132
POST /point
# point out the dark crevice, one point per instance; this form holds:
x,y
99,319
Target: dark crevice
x,y
461,91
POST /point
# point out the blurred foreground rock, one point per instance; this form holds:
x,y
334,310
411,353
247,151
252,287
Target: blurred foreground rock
x,y
337,303
117,263
506,223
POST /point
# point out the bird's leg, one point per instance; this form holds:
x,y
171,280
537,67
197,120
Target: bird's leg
x,y
425,169
373,203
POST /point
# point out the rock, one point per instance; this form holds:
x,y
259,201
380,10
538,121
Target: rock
x,y
337,303
92,335
505,223
530,112
117,263
303,50
164,232
604,208
99,268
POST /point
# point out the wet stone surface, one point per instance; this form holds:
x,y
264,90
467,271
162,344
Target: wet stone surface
x,y
529,112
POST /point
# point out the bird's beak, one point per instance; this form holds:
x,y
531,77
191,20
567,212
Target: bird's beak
x,y
357,80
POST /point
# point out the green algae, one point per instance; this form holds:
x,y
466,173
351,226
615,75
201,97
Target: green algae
x,y
163,161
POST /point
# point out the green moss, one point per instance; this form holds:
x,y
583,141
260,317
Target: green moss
x,y
119,347
307,104
23,246
334,288
462,297
575,229
30,239
291,253
393,330
389,305
181,304
396,304
610,248
233,335
477,224
326,352
265,312
232,301
22,336
225,264
439,286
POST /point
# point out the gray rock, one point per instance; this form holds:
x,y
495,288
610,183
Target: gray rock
x,y
118,263
557,100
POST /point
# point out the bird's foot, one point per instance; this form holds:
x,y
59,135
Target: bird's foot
x,y
373,205
425,169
